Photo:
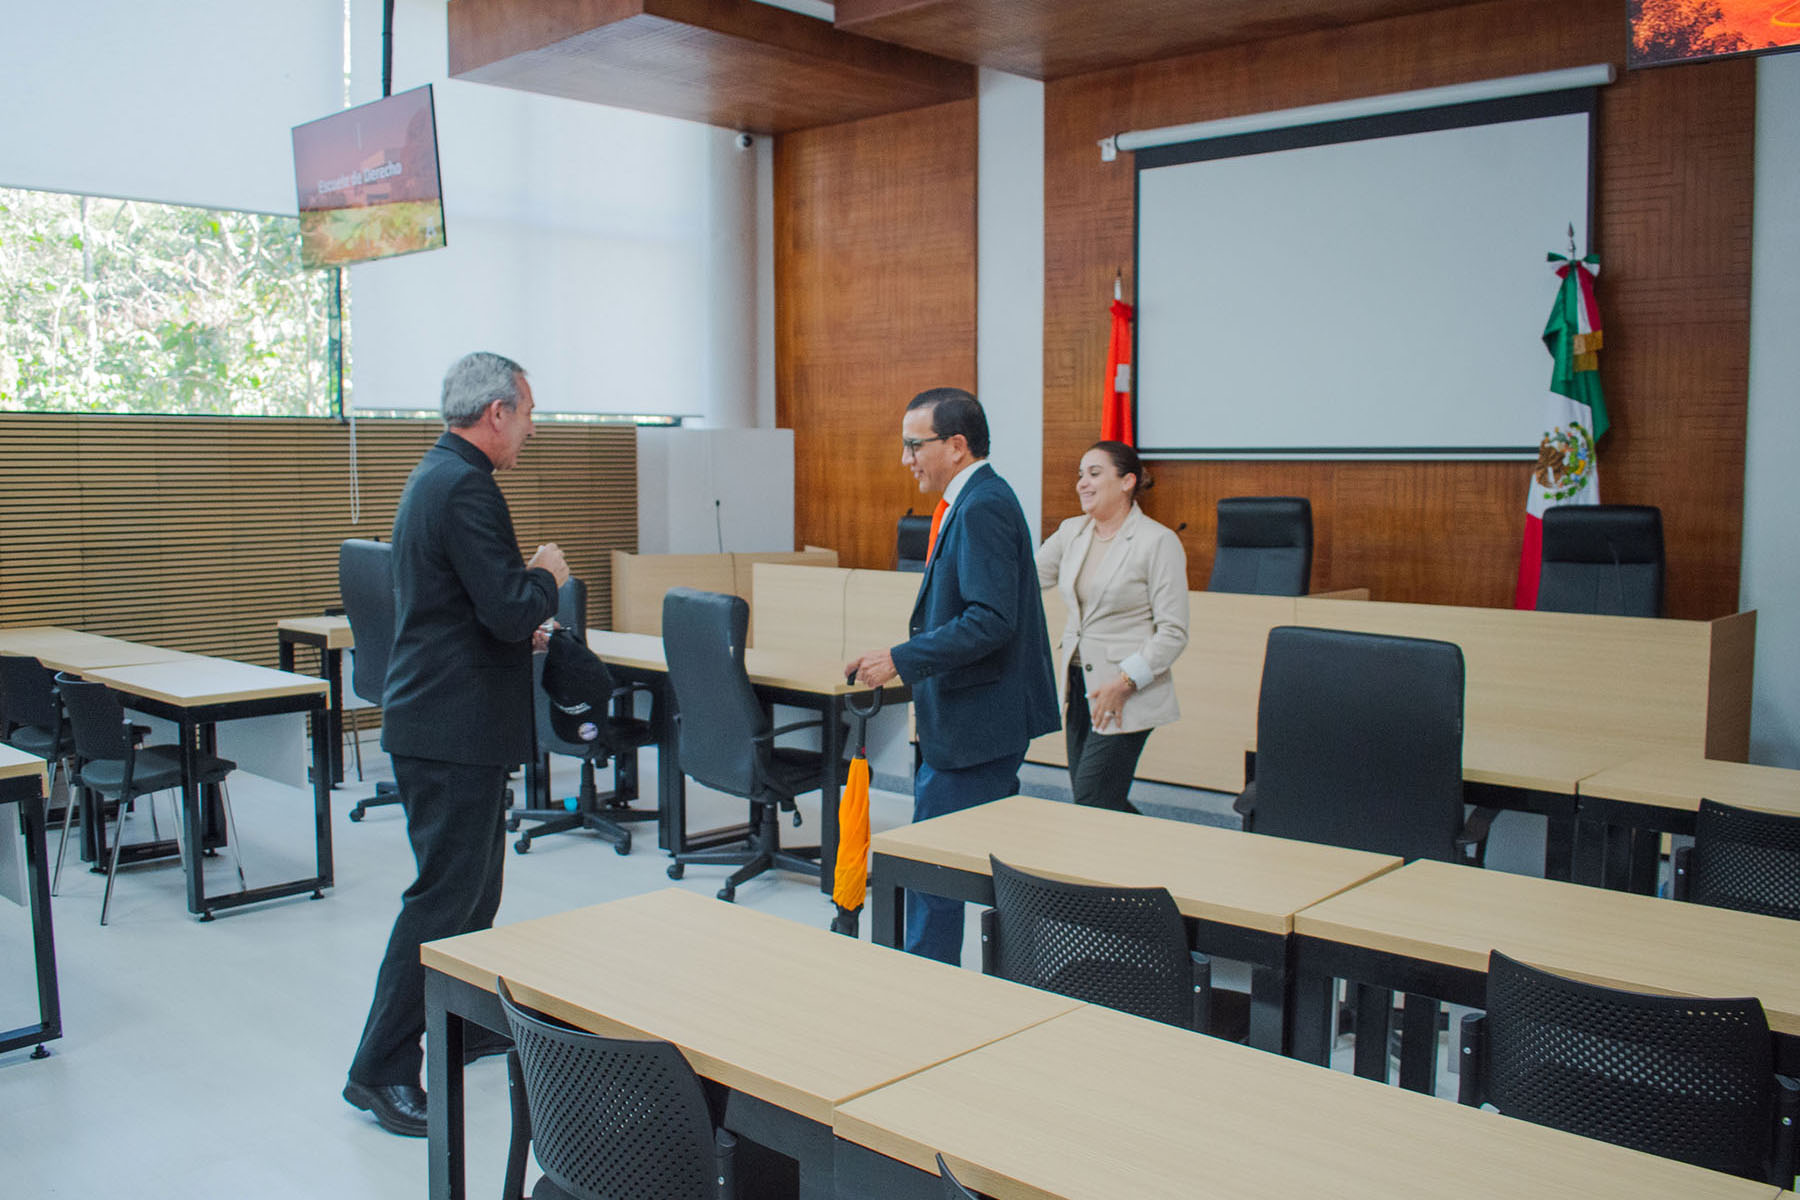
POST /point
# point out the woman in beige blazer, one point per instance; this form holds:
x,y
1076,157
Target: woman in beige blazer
x,y
1123,578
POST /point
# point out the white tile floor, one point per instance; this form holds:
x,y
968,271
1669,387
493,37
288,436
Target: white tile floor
x,y
206,1060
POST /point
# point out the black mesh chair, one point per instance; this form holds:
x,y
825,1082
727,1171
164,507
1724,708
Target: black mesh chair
x,y
366,584
1682,1077
566,729
114,765
1602,558
610,1118
1264,546
726,737
35,723
1741,859
952,1189
1125,948
1359,744
912,542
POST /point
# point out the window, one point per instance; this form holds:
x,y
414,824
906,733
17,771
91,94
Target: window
x,y
122,306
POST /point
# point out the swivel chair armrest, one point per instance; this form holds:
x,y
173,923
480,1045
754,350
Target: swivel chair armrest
x,y
1782,1161
1471,841
769,737
1471,1068
1245,805
1682,881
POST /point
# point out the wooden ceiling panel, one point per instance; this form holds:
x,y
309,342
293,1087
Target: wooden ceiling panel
x,y
731,63
1051,39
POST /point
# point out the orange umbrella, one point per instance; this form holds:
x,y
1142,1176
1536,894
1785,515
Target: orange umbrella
x,y
851,884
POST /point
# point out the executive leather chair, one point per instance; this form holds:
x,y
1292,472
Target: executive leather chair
x,y
912,542
563,729
1741,859
1359,744
1264,546
609,1116
1684,1077
726,738
1125,948
1602,558
366,584
114,765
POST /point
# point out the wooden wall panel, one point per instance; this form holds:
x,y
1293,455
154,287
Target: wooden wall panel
x,y
874,302
198,533
1673,231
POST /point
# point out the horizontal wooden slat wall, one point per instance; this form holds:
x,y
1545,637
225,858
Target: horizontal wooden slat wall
x,y
1673,230
874,302
199,533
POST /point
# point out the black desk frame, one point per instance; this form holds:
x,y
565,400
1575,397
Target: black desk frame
x,y
197,736
27,792
865,1174
451,1004
331,668
1267,953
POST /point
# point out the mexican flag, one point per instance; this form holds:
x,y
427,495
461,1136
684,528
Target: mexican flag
x,y
1567,470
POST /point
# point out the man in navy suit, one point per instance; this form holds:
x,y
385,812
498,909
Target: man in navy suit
x,y
978,660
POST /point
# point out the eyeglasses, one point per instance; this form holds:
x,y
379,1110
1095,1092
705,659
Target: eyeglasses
x,y
911,445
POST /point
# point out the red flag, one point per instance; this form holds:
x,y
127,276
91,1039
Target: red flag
x,y
1116,424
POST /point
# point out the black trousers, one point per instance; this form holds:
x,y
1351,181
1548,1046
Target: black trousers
x,y
456,820
1100,764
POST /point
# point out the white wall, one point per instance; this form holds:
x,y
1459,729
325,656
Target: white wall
x,y
611,252
1771,565
1009,263
185,103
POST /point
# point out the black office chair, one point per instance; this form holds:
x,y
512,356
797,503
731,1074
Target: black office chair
x,y
366,583
1678,1076
610,1118
1741,859
1125,948
1359,744
585,727
953,1190
1602,558
114,765
35,723
726,738
1265,546
912,542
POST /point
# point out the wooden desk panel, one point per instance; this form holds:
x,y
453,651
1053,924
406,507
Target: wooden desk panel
x,y
799,611
791,1014
75,651
1241,879
1096,1105
16,764
1452,915
192,681
329,633
1671,779
766,668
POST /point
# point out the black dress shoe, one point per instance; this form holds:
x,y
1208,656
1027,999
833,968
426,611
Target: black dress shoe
x,y
398,1107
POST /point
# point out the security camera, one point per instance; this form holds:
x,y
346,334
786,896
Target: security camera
x,y
745,141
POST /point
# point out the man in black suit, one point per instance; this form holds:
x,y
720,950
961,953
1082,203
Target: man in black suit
x,y
456,714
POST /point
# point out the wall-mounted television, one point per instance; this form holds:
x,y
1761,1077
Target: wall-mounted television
x,y
1671,31
367,181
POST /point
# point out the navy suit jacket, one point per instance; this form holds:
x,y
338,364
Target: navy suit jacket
x,y
459,677
979,661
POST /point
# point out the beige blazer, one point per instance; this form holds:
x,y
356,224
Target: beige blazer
x,y
1137,625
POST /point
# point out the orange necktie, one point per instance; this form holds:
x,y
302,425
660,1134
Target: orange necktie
x,y
937,519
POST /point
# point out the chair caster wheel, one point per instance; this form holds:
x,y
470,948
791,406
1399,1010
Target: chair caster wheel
x,y
728,894
677,870
512,823
523,845
623,845
356,814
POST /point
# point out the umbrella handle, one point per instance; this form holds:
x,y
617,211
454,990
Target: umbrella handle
x,y
862,713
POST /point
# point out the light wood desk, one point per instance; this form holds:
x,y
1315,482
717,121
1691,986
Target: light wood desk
x,y
779,677
1428,927
196,693
330,636
24,779
1238,891
792,1019
1097,1105
77,652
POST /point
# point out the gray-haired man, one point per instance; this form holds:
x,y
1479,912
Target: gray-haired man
x,y
457,709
